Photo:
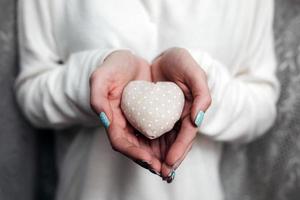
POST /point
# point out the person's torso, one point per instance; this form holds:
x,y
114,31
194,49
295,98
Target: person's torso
x,y
90,169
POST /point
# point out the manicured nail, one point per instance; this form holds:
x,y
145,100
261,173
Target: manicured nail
x,y
170,173
171,176
143,164
199,118
154,172
104,120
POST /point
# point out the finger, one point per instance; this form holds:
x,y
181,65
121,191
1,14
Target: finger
x,y
178,163
165,142
156,74
171,137
99,99
137,154
197,83
163,147
185,137
155,147
131,150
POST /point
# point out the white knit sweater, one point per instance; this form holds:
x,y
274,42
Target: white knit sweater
x,y
62,42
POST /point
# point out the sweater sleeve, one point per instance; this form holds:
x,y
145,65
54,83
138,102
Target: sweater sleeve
x,y
51,93
244,102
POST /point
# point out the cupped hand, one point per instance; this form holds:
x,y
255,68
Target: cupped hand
x,y
107,83
177,65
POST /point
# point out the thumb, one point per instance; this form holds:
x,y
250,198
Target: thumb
x,y
99,102
197,83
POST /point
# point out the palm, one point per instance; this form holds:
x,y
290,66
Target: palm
x,y
177,66
160,76
121,131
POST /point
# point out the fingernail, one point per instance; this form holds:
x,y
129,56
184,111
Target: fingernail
x,y
171,176
143,164
199,118
104,120
170,173
154,172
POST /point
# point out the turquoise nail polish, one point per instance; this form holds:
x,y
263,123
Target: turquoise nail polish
x,y
104,120
170,173
199,118
171,177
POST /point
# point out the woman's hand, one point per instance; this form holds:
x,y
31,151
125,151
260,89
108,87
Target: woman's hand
x,y
107,83
177,65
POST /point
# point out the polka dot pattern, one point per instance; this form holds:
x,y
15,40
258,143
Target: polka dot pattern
x,y
152,108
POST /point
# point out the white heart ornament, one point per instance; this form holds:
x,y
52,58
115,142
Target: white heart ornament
x,y
152,108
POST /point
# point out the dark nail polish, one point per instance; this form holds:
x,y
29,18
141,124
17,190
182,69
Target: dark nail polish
x,y
171,178
170,173
155,172
143,164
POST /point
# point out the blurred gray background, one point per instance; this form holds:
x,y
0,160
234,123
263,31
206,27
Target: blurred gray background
x,y
268,168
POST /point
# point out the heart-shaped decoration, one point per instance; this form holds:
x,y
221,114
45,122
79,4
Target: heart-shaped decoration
x,y
152,108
